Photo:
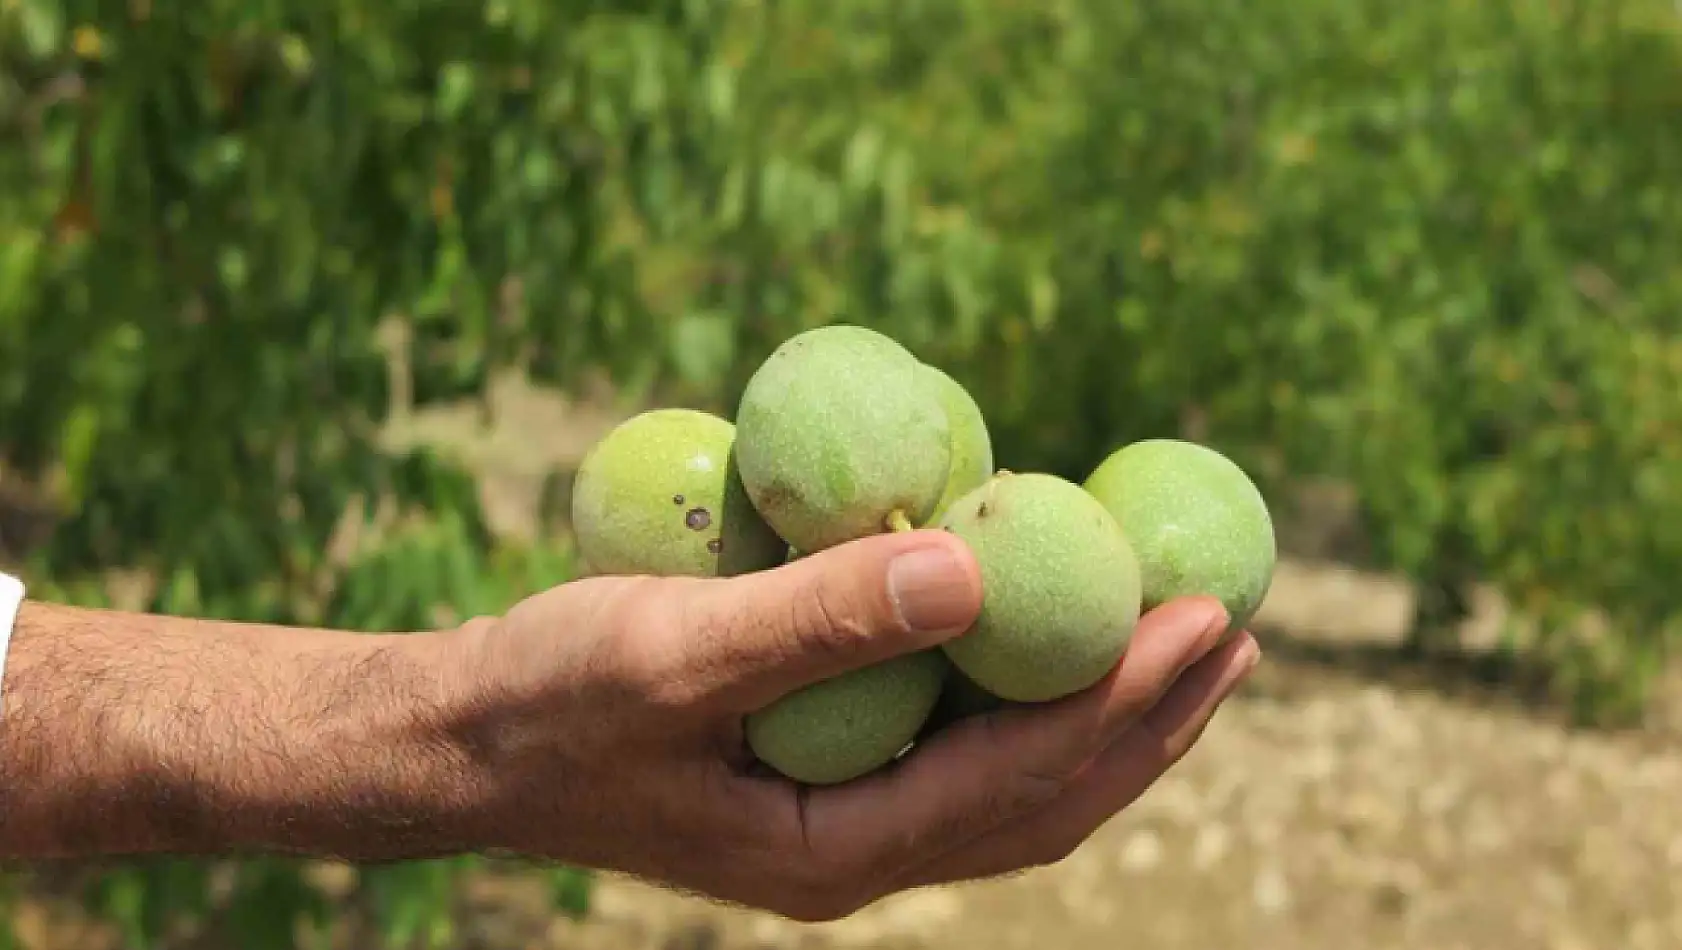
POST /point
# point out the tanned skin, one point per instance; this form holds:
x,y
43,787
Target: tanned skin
x,y
596,724
129,734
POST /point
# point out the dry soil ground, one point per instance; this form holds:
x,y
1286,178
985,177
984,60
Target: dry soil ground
x,y
1342,800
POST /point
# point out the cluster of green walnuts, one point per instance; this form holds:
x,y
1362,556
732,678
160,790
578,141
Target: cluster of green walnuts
x,y
843,433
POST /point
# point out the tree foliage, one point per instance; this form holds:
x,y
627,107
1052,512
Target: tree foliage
x,y
215,214
1426,249
1422,250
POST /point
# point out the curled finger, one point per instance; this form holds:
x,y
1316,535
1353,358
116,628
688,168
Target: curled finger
x,y
964,781
1111,782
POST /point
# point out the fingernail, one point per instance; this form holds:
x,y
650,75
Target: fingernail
x,y
1214,631
931,590
1247,660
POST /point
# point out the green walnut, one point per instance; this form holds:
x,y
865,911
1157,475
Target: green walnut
x,y
1060,588
839,436
659,494
840,728
972,446
1196,520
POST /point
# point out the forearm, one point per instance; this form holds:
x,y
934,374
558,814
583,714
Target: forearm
x,y
125,733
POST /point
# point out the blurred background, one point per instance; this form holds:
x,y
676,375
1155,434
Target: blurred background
x,y
308,309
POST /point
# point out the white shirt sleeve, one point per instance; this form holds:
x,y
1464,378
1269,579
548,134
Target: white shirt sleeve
x,y
11,598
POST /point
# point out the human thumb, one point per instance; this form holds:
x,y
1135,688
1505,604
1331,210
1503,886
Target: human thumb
x,y
766,634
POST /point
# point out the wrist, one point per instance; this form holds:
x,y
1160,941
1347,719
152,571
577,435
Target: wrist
x,y
133,733
372,760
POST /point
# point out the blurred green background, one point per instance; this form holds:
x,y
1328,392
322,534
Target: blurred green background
x,y
269,273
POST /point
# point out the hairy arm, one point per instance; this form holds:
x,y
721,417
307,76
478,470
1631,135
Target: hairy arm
x,y
126,733
597,723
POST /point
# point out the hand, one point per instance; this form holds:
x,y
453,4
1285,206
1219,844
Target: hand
x,y
606,727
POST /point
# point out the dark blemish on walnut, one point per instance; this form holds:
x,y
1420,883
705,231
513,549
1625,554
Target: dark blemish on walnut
x,y
777,495
715,546
981,512
698,519
677,499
